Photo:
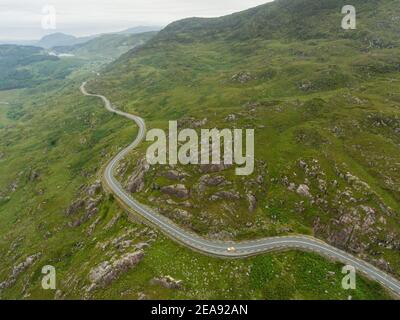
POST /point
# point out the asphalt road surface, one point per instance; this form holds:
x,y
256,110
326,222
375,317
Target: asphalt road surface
x,y
223,248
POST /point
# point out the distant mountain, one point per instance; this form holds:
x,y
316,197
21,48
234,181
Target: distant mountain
x,y
61,39
140,29
106,46
18,42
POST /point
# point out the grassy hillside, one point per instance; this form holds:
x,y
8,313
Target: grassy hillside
x,y
25,66
289,20
323,102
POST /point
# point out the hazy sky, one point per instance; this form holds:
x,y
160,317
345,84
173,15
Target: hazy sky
x,y
22,19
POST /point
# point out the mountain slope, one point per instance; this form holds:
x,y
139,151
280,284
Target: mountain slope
x,y
288,19
323,102
61,39
108,46
28,66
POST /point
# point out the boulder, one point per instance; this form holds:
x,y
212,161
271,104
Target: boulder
x,y
177,190
181,214
136,180
304,191
242,77
252,202
18,269
191,123
167,282
225,195
75,207
33,175
113,221
93,189
209,168
174,175
212,181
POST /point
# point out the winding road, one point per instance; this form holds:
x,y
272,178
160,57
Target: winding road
x,y
222,248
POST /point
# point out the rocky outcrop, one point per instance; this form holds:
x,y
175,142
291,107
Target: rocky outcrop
x,y
225,195
306,85
13,186
18,269
174,175
177,190
92,190
304,191
167,282
191,123
34,175
355,229
75,207
108,271
252,202
242,77
126,240
181,215
222,235
113,221
93,226
210,168
136,181
91,209
212,181
382,264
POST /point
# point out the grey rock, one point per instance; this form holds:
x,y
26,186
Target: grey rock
x,y
94,188
242,77
106,272
225,195
212,181
167,282
304,191
18,269
113,221
209,168
136,180
252,202
177,190
33,175
191,123
75,207
174,175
